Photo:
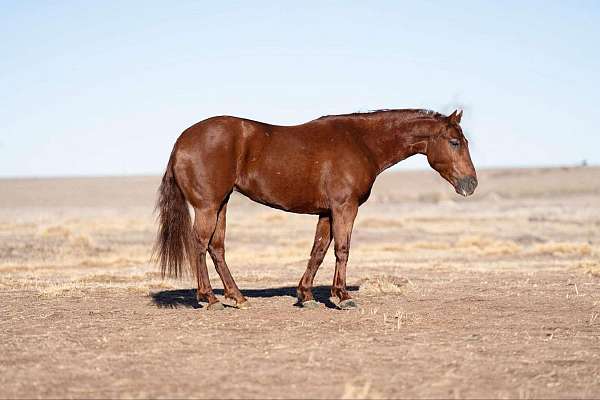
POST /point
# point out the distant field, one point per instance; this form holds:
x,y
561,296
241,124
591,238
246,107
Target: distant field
x,y
497,295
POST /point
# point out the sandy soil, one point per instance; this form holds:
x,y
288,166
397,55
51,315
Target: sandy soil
x,y
493,296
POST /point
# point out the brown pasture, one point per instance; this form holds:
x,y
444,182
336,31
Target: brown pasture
x,y
497,295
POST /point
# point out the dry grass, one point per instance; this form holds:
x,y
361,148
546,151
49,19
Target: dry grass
x,y
52,282
79,288
477,244
563,248
591,267
488,246
69,263
383,284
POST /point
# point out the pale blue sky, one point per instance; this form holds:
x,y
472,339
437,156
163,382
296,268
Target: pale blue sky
x,y
105,87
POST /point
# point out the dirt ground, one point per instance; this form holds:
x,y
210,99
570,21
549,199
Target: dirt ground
x,y
495,296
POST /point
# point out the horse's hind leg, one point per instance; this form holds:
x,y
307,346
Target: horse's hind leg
x,y
216,248
317,254
204,168
204,226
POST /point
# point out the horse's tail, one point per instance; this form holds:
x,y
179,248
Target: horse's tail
x,y
175,226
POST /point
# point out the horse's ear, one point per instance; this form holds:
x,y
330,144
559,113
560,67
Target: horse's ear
x,y
455,117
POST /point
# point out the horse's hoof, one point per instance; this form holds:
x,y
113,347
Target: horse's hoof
x,y
310,304
243,306
217,306
349,304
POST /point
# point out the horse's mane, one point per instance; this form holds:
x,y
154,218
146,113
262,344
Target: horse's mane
x,y
403,114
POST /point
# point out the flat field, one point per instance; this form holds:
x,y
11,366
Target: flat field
x,y
497,295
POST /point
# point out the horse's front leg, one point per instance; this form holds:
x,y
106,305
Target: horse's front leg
x,y
343,219
319,249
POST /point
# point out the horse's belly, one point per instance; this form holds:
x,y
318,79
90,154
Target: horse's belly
x,y
295,191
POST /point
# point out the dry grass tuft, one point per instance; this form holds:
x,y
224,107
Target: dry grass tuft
x,y
591,267
563,248
503,248
383,284
56,231
488,246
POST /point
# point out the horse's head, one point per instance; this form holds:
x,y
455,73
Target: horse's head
x,y
448,154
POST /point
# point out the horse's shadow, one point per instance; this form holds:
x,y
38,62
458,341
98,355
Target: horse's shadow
x,y
187,297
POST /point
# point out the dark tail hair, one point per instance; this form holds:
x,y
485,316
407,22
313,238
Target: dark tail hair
x,y
175,226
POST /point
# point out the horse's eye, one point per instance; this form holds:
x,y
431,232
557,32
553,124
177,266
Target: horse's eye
x,y
455,143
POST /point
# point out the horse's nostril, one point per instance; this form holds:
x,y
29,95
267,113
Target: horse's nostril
x,y
466,186
472,183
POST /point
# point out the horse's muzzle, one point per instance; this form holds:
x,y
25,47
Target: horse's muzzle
x,y
466,186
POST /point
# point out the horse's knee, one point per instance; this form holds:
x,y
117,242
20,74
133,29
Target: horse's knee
x,y
341,253
319,252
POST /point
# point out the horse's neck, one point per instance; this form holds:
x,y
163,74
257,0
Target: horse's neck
x,y
391,142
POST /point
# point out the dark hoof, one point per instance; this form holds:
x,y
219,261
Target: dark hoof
x,y
215,306
243,306
349,304
310,304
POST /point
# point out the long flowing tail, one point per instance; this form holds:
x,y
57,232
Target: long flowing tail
x,y
175,226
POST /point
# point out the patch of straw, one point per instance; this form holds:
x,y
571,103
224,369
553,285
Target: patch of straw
x,y
383,284
563,248
488,246
591,267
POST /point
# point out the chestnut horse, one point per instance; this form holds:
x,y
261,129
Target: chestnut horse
x,y
324,167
